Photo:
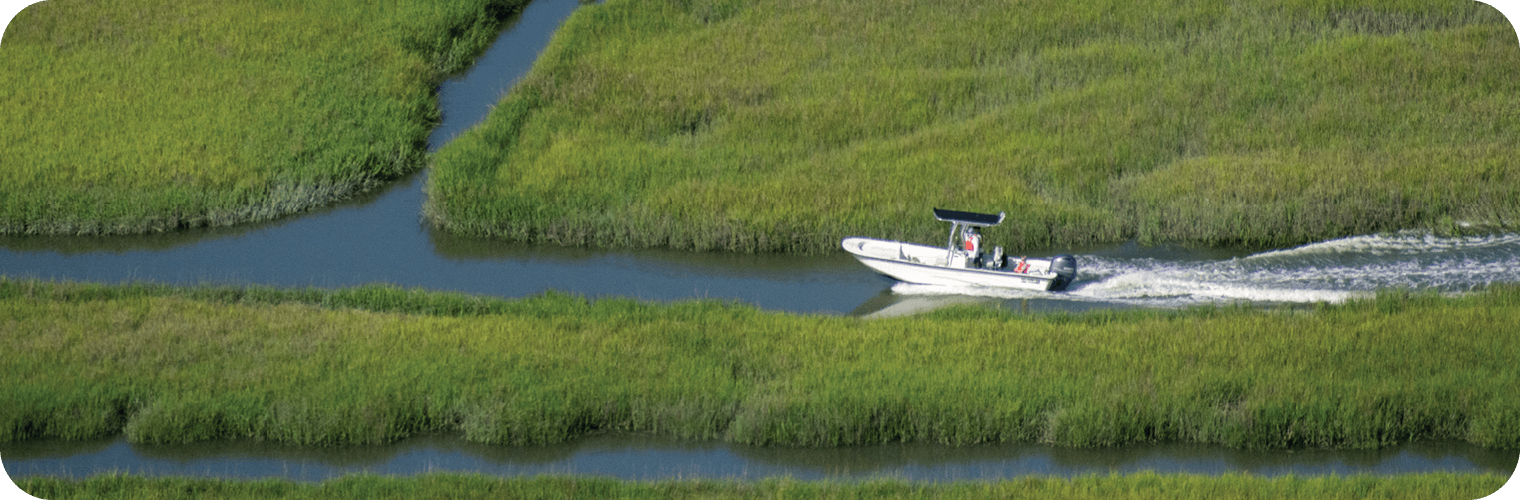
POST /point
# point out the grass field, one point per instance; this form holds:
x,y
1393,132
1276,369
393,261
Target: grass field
x,y
151,115
374,364
785,125
452,486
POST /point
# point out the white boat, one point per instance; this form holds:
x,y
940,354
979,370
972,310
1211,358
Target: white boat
x,y
963,264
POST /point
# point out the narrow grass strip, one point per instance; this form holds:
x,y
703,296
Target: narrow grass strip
x,y
375,364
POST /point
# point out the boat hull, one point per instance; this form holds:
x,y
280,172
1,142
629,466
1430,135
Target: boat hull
x,y
927,265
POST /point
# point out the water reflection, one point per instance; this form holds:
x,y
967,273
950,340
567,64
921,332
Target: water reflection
x,y
644,457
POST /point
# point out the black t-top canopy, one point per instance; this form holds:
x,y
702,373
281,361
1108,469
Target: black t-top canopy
x,y
968,218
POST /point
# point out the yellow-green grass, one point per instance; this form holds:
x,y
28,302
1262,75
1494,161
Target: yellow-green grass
x,y
150,115
377,363
456,486
784,125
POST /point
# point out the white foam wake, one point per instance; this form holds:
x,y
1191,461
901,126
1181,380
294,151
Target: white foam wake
x,y
1406,243
1329,271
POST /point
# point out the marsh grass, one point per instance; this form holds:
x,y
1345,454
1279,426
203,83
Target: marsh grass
x,y
160,114
374,364
456,486
785,125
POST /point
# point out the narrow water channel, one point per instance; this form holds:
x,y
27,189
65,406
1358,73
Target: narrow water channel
x,y
642,457
380,237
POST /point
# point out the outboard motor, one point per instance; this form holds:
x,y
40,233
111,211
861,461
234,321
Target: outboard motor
x,y
1065,267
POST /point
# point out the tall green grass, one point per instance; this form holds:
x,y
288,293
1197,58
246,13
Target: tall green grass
x,y
375,364
151,115
785,125
455,486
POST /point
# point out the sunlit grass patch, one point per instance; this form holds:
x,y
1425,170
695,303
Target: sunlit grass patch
x,y
784,126
377,363
145,116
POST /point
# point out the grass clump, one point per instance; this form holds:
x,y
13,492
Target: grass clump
x,y
453,486
375,364
147,116
786,125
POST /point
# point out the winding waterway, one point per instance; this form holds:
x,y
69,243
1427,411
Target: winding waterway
x,y
380,237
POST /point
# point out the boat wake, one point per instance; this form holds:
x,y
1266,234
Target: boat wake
x,y
1330,271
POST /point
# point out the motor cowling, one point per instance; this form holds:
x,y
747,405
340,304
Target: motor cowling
x,y
1065,268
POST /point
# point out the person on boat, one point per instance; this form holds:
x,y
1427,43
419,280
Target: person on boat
x,y
973,244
